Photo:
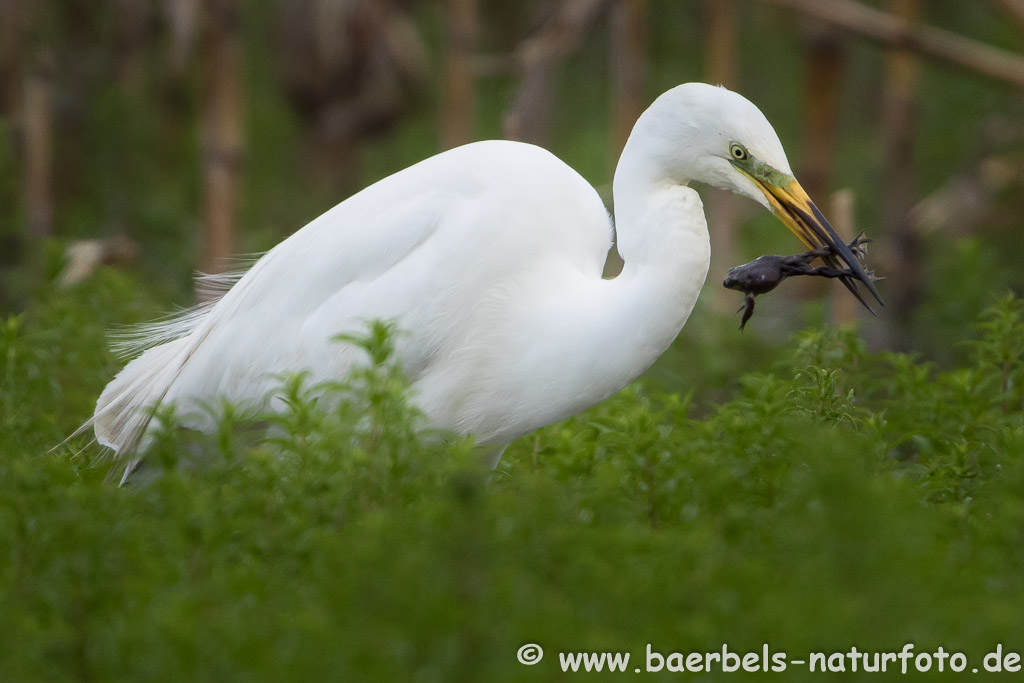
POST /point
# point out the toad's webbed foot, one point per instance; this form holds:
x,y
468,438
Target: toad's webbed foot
x,y
858,247
747,308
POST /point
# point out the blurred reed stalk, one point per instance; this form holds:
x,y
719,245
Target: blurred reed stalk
x,y
628,28
823,55
721,66
899,116
222,129
11,30
458,100
38,140
843,308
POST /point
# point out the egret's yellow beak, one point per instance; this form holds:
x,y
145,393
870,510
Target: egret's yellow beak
x,y
797,212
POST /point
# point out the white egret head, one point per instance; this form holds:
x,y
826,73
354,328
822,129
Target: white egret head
x,y
709,134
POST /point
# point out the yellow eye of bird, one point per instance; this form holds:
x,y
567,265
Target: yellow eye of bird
x,y
738,151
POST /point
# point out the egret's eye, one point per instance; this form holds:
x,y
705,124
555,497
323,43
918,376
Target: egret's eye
x,y
738,152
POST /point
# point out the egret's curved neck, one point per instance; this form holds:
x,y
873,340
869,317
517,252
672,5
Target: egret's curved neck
x,y
639,179
662,237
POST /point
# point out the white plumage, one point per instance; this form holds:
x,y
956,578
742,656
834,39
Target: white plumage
x,y
489,258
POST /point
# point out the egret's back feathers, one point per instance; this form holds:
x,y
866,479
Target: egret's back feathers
x,y
370,257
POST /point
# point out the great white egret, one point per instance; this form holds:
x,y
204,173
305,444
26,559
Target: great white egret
x,y
489,258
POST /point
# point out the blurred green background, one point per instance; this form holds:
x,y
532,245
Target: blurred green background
x,y
804,484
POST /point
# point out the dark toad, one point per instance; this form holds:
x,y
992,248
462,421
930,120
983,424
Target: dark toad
x,y
765,273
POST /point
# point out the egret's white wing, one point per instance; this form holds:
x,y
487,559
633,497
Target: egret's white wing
x,y
442,248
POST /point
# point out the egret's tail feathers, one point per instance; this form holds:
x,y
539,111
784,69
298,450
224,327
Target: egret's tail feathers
x,y
160,350
130,341
125,407
212,286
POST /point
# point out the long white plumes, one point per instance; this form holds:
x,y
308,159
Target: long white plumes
x,y
124,410
212,286
130,341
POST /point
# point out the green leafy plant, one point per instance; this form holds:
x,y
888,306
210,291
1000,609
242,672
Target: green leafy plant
x,y
847,497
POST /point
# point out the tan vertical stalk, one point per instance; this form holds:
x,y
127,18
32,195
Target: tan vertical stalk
x,y
222,123
458,104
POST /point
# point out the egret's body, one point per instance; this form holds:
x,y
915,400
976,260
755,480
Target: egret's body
x,y
489,259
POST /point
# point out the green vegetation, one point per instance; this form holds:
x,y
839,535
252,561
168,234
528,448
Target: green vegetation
x,y
847,498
